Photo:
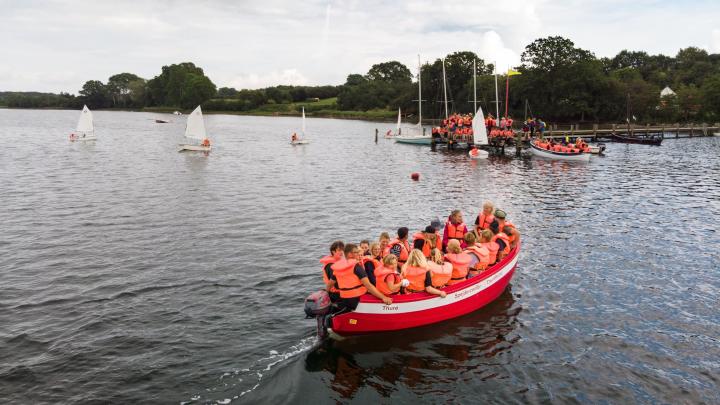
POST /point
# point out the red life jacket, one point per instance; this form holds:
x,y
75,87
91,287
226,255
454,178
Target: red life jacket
x,y
456,231
404,249
348,283
416,277
460,263
327,260
440,273
381,274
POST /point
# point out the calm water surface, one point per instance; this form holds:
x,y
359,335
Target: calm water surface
x,y
130,273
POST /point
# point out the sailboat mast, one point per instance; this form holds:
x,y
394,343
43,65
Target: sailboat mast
x,y
497,100
474,87
445,90
419,92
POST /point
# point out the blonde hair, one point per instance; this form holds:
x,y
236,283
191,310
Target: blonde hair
x,y
416,258
384,235
486,235
454,246
436,256
488,203
389,259
372,246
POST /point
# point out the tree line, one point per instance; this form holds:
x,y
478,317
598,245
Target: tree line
x,y
559,82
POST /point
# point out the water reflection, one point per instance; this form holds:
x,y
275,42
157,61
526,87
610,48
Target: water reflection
x,y
415,358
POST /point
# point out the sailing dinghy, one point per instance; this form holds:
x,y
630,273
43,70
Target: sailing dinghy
x,y
85,130
301,140
479,136
195,133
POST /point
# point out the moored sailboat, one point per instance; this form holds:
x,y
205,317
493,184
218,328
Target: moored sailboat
x,y
414,135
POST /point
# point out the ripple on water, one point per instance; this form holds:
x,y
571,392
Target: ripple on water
x,y
149,275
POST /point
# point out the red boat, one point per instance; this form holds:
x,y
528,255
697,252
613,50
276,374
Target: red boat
x,y
418,309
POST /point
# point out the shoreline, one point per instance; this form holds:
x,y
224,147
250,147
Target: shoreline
x,y
359,115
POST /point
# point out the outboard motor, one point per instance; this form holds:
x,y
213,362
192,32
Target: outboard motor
x,y
317,305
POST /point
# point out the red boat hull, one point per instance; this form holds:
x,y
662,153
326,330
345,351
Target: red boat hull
x,y
419,309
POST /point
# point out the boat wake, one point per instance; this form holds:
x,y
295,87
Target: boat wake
x,y
229,382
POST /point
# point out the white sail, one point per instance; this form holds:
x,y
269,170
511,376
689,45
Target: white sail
x,y
479,130
303,122
195,128
85,123
398,124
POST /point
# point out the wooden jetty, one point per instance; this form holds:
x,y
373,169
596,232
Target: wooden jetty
x,y
605,134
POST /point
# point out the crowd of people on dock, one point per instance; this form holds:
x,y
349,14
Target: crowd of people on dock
x,y
431,262
456,127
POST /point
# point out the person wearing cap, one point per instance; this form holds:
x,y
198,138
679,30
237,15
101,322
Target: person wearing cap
x,y
427,240
500,215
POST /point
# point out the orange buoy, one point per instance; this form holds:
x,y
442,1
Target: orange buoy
x,y
415,176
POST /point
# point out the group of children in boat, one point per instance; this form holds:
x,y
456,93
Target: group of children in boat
x,y
563,146
433,261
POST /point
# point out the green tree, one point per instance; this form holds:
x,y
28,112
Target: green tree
x,y
118,88
95,94
711,97
227,92
392,71
197,90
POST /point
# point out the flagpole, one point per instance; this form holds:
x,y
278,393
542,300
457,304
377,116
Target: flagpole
x,y
474,87
497,101
507,92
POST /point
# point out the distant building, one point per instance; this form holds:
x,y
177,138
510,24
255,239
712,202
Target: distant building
x,y
313,99
667,91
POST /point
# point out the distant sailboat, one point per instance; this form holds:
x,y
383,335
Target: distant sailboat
x,y
301,140
195,133
479,136
85,130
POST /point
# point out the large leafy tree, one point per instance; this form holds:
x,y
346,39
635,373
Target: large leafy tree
x,y
393,72
95,94
118,88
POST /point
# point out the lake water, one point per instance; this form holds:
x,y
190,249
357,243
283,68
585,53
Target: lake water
x,y
131,273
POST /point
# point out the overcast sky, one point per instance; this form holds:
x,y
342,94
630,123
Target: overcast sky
x,y
58,45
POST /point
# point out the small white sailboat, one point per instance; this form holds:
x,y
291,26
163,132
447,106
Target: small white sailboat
x,y
301,140
479,136
85,130
195,133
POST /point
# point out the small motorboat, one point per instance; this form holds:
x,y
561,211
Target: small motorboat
x,y
550,154
417,309
161,122
596,149
652,139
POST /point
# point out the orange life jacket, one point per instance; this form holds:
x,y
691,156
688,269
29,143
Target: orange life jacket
x,y
325,262
492,248
484,221
416,277
404,249
456,231
426,246
376,263
348,283
440,273
206,142
482,254
381,274
505,239
460,263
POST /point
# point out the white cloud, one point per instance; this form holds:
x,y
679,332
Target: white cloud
x,y
257,43
256,81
